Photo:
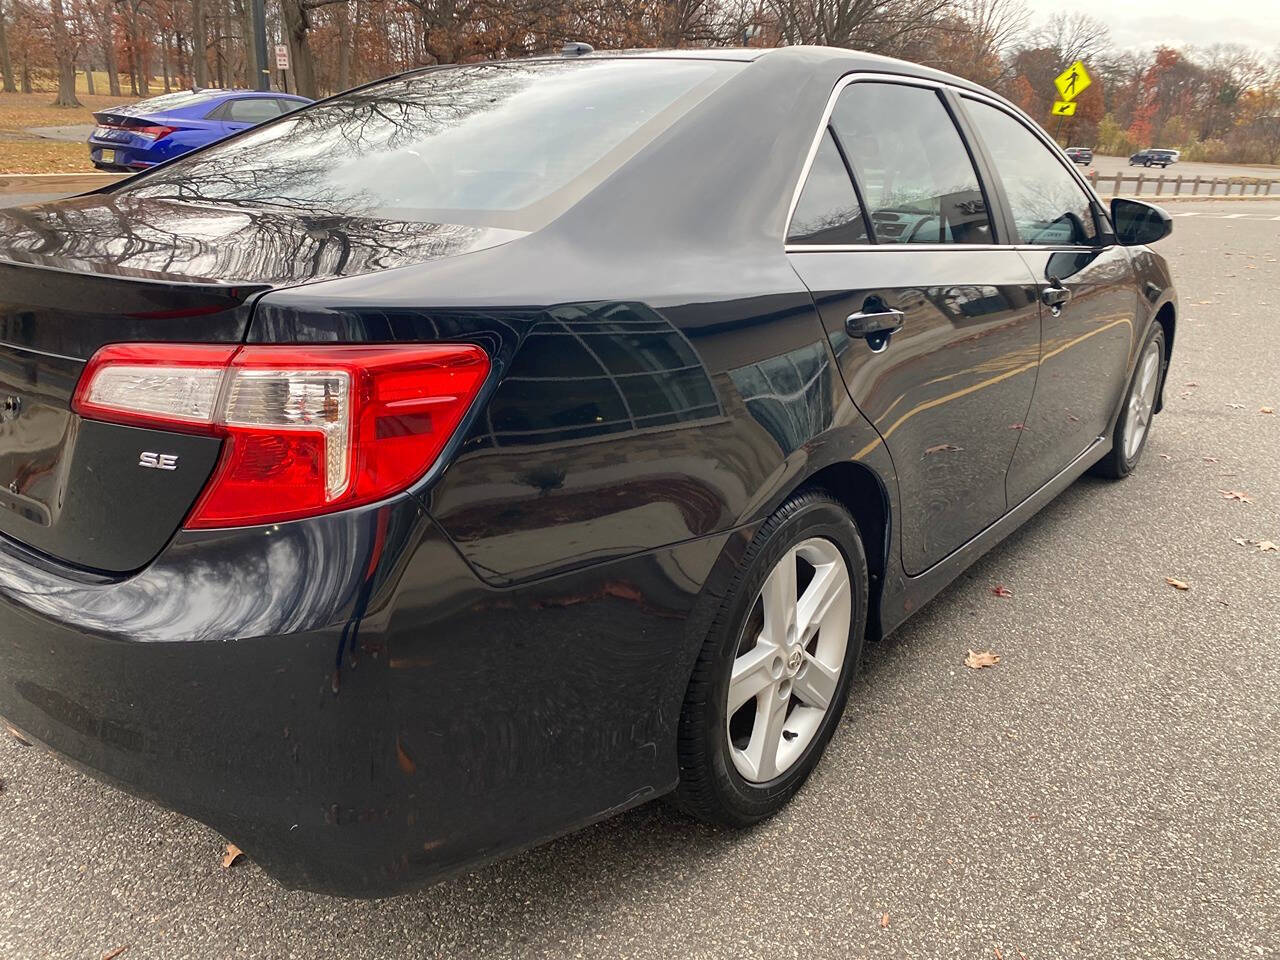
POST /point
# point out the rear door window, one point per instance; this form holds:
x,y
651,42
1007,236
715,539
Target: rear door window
x,y
1049,206
915,175
828,211
252,110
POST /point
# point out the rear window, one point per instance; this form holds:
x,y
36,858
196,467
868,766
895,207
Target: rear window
x,y
503,145
173,101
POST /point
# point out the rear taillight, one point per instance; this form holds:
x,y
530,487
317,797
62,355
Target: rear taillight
x,y
306,430
152,132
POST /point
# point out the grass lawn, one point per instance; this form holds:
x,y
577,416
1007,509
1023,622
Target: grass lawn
x,y
21,152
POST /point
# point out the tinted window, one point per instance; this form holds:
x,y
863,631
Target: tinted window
x,y
502,145
172,101
828,210
1048,206
251,110
915,175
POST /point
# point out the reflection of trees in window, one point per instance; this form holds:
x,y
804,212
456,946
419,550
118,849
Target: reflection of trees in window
x,y
501,138
591,370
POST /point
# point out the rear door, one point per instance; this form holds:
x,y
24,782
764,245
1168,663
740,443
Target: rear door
x,y
1089,296
935,326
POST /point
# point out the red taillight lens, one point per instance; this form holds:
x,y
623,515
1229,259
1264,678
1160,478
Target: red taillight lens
x,y
307,429
153,132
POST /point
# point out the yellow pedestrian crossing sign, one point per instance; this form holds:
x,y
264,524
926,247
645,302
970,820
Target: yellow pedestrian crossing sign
x,y
1071,82
1064,108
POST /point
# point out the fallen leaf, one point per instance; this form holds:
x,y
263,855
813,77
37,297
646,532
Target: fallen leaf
x,y
1017,426
13,732
1267,546
884,921
1240,540
1191,383
1165,456
1000,590
943,448
112,954
1236,406
1266,410
1236,495
1209,459
979,659
233,854
1177,584
999,955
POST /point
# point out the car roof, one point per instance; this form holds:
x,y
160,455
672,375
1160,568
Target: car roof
x,y
848,61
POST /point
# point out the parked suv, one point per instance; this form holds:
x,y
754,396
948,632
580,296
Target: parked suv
x,y
1082,155
1154,157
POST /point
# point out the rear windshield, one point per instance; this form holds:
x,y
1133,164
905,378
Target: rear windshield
x,y
172,101
504,145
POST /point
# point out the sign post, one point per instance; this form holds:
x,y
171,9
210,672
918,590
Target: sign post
x,y
282,63
1071,82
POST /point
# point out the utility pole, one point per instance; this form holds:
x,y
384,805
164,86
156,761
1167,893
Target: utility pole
x,y
260,45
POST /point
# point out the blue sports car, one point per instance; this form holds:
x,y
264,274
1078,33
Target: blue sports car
x,y
140,135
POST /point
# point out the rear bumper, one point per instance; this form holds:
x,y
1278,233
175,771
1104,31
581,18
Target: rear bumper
x,y
343,699
121,156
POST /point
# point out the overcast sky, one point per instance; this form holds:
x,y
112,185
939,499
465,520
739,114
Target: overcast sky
x,y
1177,23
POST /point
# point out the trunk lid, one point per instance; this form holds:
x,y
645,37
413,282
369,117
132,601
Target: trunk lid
x,y
81,273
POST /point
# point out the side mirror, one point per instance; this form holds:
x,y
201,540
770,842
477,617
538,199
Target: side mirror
x,y
1139,223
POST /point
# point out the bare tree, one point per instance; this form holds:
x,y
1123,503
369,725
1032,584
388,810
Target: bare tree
x,y
877,26
6,65
64,52
1076,36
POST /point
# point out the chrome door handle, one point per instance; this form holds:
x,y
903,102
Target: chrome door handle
x,y
1054,297
875,323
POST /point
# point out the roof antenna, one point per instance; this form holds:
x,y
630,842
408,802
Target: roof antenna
x,y
576,48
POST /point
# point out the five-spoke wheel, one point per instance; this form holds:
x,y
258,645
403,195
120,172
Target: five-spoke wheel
x,y
773,675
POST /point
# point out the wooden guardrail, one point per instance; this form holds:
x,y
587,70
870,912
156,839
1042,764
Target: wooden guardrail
x,y
1197,186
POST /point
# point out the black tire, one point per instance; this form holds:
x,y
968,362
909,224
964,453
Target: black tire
x,y
711,788
1117,465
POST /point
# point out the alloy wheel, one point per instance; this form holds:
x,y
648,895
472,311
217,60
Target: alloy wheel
x,y
1142,399
789,660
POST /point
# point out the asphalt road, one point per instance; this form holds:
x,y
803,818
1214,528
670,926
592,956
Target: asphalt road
x,y
1108,790
1110,166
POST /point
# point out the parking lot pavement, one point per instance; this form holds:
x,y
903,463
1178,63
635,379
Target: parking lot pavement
x,y
1108,790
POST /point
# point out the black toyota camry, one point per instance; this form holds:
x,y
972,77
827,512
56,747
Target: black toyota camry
x,y
481,452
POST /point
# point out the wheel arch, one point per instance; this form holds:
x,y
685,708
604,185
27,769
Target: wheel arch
x,y
864,494
1166,316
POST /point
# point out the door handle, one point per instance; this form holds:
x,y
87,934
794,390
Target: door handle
x,y
1054,296
875,323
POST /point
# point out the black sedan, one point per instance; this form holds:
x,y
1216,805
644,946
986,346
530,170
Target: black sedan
x,y
468,457
1153,157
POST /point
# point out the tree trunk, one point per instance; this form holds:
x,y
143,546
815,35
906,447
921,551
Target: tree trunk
x,y
251,66
107,39
293,20
6,67
88,78
199,51
164,62
345,37
65,55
